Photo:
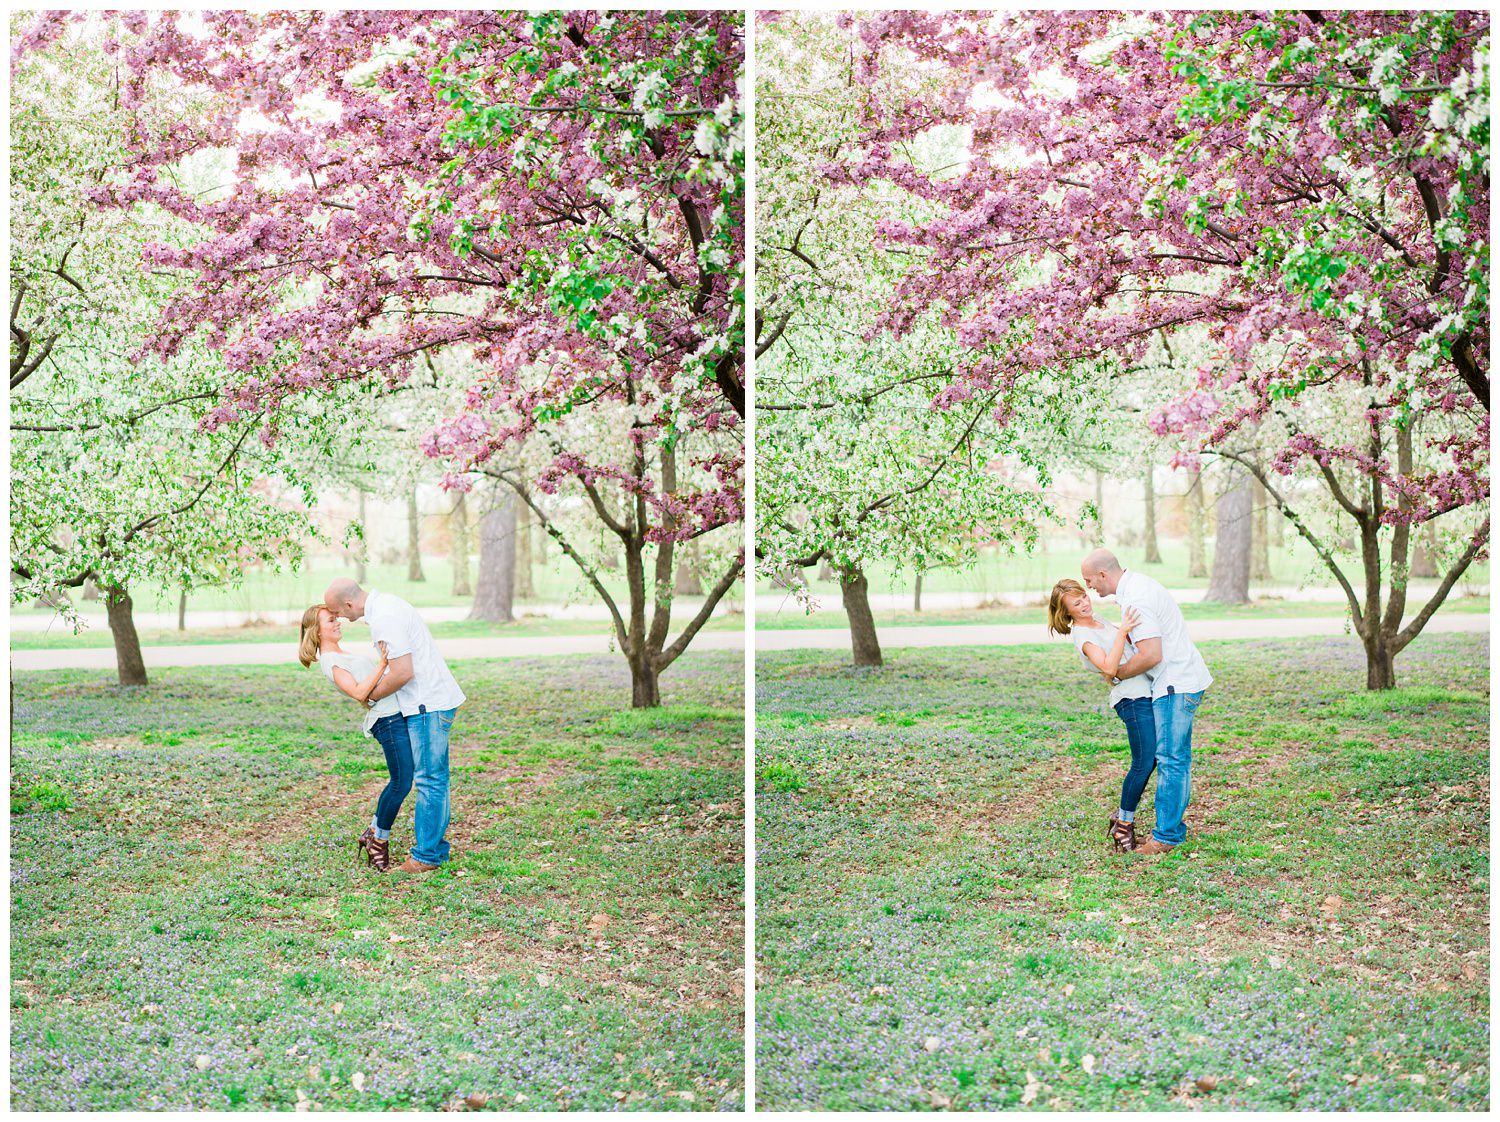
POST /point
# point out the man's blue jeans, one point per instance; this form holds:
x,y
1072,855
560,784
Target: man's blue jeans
x,y
1174,762
429,749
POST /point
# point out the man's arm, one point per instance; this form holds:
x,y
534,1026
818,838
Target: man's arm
x,y
1147,656
397,673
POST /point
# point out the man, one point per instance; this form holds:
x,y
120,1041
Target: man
x,y
1161,640
429,697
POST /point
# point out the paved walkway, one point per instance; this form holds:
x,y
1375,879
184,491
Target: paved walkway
x,y
1012,634
267,654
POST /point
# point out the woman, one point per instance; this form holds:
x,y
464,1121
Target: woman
x,y
1104,647
357,676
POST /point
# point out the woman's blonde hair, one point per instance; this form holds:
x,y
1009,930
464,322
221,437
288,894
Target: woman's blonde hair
x,y
1059,619
307,648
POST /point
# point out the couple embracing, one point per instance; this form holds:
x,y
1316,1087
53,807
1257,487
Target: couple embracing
x,y
1157,679
410,699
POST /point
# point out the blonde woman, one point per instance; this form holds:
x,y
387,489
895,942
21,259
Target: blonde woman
x,y
1106,648
357,676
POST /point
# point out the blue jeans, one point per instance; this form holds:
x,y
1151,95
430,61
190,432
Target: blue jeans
x,y
391,732
429,745
1140,726
1174,761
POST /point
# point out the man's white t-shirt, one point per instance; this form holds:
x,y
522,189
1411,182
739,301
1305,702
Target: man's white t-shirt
x,y
1103,637
396,623
1181,667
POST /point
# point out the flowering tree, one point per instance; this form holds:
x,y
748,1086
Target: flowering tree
x,y
1309,188
558,195
110,481
855,463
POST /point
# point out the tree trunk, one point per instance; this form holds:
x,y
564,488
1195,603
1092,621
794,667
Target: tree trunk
x,y
1424,555
866,643
1230,581
362,546
645,684
1380,660
825,571
458,525
182,611
916,594
1099,502
494,595
1197,554
1260,542
1153,550
90,589
413,537
128,658
687,582
525,590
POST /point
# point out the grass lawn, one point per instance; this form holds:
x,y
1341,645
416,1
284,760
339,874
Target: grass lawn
x,y
941,923
793,618
190,928
62,639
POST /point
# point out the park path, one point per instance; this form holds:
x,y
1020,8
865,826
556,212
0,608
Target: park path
x,y
1014,634
823,638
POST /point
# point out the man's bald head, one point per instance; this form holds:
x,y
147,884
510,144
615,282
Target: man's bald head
x,y
1102,572
345,598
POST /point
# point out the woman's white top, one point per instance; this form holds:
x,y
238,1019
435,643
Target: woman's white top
x,y
1103,637
361,668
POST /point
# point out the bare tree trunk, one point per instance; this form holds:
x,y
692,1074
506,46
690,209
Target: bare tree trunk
x,y
1424,555
1099,502
525,589
1153,550
1197,554
1230,581
645,684
687,581
1380,661
128,658
866,643
790,577
182,611
494,595
916,594
362,546
825,571
458,525
1260,542
413,537
90,589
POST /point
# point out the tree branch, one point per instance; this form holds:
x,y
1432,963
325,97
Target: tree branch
x,y
680,644
1414,628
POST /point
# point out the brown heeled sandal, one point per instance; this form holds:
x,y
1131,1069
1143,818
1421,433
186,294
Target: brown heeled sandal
x,y
380,853
1121,833
361,846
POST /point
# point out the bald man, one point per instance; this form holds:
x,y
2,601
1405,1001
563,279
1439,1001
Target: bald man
x,y
429,697
1161,641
